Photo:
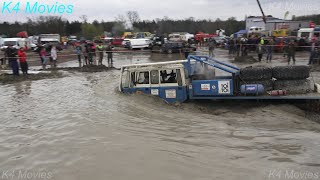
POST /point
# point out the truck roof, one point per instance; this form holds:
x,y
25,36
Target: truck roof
x,y
12,39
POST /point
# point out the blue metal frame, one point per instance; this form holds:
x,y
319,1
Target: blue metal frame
x,y
218,64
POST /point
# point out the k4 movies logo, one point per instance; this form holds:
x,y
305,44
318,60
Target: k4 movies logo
x,y
9,7
293,174
25,175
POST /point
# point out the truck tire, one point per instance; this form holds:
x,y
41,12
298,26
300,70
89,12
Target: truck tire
x,y
256,73
294,86
268,84
291,72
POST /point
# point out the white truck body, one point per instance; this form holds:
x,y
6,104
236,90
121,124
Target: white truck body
x,y
139,43
16,42
55,37
307,33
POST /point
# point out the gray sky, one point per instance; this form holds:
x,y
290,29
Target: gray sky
x,y
177,9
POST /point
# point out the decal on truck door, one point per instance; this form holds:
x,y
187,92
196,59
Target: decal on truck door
x,y
171,94
224,87
155,92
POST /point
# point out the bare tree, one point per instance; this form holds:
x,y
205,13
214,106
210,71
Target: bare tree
x,y
84,18
133,17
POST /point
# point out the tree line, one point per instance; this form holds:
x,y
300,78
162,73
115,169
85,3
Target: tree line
x,y
315,18
122,23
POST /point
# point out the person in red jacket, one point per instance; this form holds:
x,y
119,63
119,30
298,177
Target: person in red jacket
x,y
23,60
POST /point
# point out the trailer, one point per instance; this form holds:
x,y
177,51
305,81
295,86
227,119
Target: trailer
x,y
195,78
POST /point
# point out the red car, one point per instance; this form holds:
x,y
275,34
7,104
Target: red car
x,y
201,36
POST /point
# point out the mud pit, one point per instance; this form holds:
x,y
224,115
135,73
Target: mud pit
x,y
80,127
9,78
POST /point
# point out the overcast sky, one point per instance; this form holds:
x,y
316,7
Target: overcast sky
x,y
177,9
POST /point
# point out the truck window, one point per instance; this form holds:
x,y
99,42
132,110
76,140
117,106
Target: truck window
x,y
143,78
305,34
154,77
168,76
125,81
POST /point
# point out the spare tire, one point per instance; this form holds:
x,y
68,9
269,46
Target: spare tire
x,y
256,73
291,72
268,84
294,86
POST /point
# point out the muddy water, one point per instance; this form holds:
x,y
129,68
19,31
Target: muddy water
x,y
80,127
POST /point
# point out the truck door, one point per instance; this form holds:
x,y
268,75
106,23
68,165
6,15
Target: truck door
x,y
172,85
142,82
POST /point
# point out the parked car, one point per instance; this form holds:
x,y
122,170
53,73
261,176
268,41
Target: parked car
x,y
172,47
139,43
126,43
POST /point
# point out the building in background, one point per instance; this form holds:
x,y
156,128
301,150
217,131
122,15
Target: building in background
x,y
274,24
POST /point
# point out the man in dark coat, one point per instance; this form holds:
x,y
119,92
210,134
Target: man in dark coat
x,y
11,53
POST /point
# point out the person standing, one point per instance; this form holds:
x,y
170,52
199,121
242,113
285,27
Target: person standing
x,y
260,51
110,55
88,50
292,52
212,45
270,50
23,61
78,52
186,50
100,49
85,53
12,56
54,56
43,57
93,53
312,53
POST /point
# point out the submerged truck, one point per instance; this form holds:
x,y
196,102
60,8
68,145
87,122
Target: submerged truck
x,y
202,77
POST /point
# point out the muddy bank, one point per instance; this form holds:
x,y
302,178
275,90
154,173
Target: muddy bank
x,y
315,68
245,59
86,68
9,78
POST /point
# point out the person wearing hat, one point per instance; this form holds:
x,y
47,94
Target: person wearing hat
x,y
11,53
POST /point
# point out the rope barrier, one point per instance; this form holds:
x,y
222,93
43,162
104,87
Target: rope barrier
x,y
96,53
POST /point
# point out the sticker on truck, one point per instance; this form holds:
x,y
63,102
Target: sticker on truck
x,y
155,92
205,87
224,87
171,94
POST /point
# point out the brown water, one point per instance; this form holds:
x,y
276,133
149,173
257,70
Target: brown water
x,y
80,127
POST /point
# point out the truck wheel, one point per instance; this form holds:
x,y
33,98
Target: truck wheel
x,y
256,73
161,50
294,86
169,51
291,72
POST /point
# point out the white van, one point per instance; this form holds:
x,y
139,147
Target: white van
x,y
16,43
139,43
308,33
255,29
175,37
